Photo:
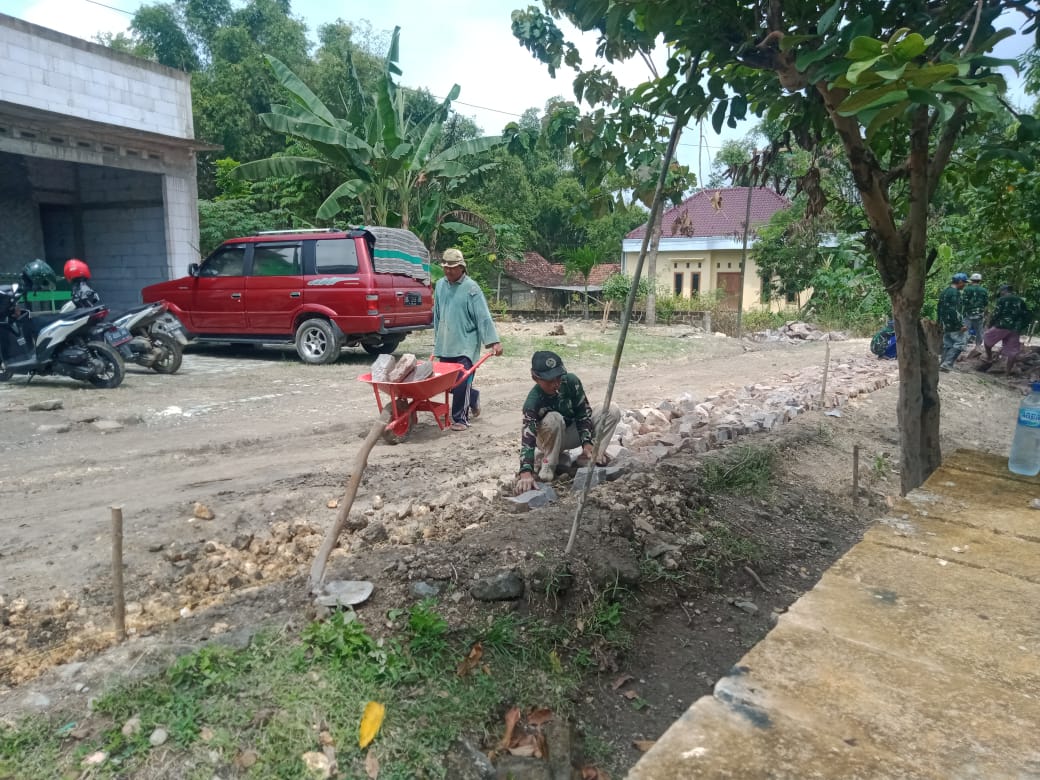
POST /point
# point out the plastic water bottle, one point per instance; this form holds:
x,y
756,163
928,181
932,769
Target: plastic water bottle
x,y
1025,449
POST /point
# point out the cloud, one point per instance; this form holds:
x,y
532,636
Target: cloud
x,y
75,17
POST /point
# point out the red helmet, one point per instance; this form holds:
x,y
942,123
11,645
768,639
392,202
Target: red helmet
x,y
76,269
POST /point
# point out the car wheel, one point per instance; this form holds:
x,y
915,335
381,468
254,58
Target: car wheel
x,y
316,342
108,366
170,359
387,346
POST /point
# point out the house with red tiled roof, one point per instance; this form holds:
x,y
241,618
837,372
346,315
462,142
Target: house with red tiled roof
x,y
701,245
536,284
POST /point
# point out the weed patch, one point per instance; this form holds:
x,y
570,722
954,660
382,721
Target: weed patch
x,y
745,469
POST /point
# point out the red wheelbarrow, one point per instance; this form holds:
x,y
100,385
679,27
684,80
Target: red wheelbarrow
x,y
407,399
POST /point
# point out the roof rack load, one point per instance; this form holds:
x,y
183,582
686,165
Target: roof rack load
x,y
298,230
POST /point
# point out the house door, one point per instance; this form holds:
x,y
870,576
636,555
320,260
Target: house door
x,y
730,283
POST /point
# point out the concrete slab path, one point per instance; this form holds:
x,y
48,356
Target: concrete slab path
x,y
917,655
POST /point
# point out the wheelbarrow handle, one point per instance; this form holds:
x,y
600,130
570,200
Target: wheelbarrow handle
x,y
474,367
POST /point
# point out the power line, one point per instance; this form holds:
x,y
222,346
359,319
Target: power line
x,y
109,7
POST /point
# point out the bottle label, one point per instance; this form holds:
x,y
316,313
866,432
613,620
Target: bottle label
x,y
1029,418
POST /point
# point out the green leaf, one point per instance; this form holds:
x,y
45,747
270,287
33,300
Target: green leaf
x,y
718,116
871,98
279,166
911,46
892,74
931,74
811,56
863,48
348,189
298,89
924,97
829,17
857,68
789,42
882,119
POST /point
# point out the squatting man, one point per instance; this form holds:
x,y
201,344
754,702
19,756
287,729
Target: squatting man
x,y
558,416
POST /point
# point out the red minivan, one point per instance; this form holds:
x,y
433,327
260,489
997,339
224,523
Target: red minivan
x,y
320,289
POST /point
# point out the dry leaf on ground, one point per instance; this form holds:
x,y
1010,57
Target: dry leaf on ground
x,y
317,764
539,716
526,745
621,681
470,662
592,773
511,719
372,765
643,745
630,695
370,723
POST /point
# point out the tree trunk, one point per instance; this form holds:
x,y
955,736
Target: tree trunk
x,y
918,410
651,274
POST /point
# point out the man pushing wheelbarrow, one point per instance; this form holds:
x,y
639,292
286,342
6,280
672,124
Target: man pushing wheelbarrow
x,y
462,325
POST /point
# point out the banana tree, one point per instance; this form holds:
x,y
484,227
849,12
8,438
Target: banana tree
x,y
390,162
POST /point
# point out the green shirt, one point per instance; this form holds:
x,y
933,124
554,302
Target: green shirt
x,y
974,299
572,404
950,310
462,322
1011,313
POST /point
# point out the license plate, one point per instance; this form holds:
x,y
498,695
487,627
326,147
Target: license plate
x,y
117,335
412,299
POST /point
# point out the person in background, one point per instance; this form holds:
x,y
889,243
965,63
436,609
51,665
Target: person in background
x,y
76,274
952,322
1010,317
461,325
974,301
557,416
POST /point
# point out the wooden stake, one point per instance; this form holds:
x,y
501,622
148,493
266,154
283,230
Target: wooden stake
x,y
826,368
855,475
118,596
327,545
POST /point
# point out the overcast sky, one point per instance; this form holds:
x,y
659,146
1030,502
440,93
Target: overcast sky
x,y
443,42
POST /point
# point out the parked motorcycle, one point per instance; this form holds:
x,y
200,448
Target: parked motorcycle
x,y
62,343
157,338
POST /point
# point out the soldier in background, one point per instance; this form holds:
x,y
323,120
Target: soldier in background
x,y
974,301
952,322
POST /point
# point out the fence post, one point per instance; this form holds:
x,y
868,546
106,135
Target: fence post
x,y
118,596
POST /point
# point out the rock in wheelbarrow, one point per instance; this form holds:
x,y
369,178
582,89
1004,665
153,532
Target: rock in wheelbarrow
x,y
405,366
382,367
344,593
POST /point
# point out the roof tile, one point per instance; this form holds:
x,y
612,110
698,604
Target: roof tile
x,y
717,212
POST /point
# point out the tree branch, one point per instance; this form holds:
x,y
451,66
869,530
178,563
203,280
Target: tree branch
x,y
866,171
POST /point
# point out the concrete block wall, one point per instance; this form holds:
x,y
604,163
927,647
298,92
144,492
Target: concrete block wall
x,y
54,72
123,231
22,237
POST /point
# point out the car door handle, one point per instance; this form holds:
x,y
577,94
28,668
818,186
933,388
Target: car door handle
x,y
236,296
294,295
400,294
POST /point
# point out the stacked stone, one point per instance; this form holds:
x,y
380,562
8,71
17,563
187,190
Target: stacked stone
x,y
653,432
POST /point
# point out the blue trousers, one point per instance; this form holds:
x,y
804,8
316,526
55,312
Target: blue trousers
x,y
465,396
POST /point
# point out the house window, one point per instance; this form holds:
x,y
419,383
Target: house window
x,y
792,297
678,284
687,265
695,283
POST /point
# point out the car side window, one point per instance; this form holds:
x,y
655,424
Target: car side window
x,y
335,256
281,259
227,261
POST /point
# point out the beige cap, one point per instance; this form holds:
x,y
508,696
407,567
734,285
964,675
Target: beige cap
x,y
453,257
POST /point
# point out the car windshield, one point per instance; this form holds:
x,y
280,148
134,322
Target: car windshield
x,y
226,261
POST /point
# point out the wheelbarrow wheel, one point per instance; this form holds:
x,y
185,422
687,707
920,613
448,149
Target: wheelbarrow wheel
x,y
403,428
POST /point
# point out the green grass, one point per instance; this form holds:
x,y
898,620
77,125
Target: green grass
x,y
276,696
743,469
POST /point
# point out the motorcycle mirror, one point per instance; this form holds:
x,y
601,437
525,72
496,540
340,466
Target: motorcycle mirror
x,y
193,269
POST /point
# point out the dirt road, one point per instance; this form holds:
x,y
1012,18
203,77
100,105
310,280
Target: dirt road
x,y
259,437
